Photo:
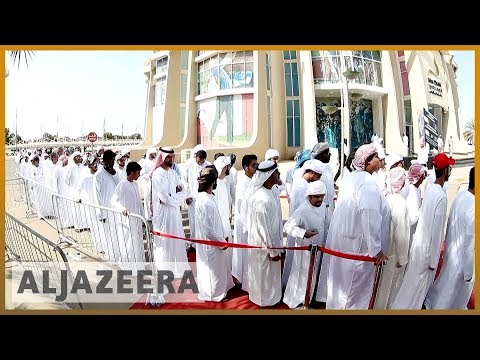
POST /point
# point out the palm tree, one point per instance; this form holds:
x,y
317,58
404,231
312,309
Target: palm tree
x,y
16,58
469,132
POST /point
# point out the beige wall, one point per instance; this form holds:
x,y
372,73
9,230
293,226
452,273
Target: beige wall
x,y
389,117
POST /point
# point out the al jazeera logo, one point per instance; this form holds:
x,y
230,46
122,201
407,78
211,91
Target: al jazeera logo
x,y
93,283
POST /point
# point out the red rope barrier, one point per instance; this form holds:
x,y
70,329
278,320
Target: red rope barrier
x,y
245,246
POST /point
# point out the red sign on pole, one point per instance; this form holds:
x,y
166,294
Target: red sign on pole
x,y
92,137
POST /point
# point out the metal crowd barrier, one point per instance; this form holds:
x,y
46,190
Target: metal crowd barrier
x,y
32,250
16,195
103,231
40,201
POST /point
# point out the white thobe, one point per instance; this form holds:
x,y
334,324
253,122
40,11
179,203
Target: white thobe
x,y
355,229
63,206
223,200
147,187
239,256
97,229
42,195
399,237
299,189
169,254
121,173
74,175
425,250
190,175
451,289
104,184
414,203
264,275
306,217
214,276
129,228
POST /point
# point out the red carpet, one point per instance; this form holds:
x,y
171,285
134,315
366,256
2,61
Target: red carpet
x,y
237,299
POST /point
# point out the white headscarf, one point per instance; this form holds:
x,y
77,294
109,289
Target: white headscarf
x,y
258,179
316,188
270,153
150,151
392,159
314,165
221,162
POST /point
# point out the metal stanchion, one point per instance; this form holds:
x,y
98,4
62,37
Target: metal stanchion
x,y
378,274
311,268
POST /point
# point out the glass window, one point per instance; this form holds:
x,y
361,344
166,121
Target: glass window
x,y
296,108
367,54
289,108
290,131
295,90
378,74
183,89
407,104
184,59
296,129
293,55
267,69
376,55
286,55
225,71
288,85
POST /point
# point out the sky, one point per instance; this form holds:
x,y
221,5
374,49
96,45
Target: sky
x,y
82,88
466,82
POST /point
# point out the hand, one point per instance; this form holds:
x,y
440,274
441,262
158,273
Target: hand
x,y
430,268
275,258
310,233
189,201
381,259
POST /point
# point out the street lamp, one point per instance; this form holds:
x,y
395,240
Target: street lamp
x,y
349,74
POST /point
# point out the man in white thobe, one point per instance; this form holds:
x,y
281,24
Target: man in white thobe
x,y
190,177
399,239
355,229
321,151
120,166
146,184
86,192
427,241
308,225
260,215
105,181
223,200
126,199
312,171
239,256
274,155
214,276
453,286
168,193
75,172
415,177
61,205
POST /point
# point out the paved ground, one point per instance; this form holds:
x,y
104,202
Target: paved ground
x,y
459,176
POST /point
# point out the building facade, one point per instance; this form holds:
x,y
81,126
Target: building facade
x,y
248,101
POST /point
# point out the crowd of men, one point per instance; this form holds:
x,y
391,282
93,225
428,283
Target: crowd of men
x,y
381,211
